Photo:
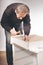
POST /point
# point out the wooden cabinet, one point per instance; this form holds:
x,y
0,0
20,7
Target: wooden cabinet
x,y
27,53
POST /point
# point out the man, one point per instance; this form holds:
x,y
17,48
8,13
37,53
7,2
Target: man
x,y
11,22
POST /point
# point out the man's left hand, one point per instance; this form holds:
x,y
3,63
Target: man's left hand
x,y
26,38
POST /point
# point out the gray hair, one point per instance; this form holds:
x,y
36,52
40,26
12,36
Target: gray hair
x,y
22,8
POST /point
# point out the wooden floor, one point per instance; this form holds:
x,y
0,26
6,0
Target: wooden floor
x,y
3,58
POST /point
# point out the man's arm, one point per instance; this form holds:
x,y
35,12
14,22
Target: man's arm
x,y
27,25
5,23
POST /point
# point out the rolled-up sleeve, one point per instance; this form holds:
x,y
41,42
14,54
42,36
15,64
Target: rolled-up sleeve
x,y
27,25
5,23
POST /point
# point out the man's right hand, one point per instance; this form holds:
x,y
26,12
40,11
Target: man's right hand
x,y
13,32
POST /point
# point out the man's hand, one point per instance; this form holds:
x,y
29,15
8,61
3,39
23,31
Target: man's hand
x,y
13,32
26,38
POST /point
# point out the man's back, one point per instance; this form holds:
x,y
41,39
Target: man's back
x,y
12,6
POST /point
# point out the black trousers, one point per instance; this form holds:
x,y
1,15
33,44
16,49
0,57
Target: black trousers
x,y
9,53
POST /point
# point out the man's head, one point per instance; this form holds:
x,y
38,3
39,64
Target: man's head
x,y
21,11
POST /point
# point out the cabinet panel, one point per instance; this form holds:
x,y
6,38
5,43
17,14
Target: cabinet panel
x,y
24,57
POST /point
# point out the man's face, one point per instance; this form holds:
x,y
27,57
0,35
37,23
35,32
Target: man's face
x,y
20,15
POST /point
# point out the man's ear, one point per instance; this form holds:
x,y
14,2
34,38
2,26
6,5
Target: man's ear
x,y
15,11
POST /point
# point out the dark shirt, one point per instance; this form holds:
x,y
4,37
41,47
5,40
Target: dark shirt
x,y
10,20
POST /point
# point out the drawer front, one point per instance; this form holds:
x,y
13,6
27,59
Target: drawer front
x,y
24,57
26,61
21,53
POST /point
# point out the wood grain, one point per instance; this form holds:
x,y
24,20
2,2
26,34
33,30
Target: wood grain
x,y
3,58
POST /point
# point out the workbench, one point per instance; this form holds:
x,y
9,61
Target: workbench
x,y
27,52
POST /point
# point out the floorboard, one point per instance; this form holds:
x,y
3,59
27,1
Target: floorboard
x,y
3,60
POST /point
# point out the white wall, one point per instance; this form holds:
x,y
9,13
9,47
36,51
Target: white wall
x,y
36,15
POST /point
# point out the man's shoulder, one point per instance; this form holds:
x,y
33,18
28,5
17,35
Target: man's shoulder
x,y
11,7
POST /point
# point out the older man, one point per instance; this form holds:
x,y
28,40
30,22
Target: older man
x,y
11,22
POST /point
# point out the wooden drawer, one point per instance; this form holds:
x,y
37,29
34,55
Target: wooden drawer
x,y
24,57
26,61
